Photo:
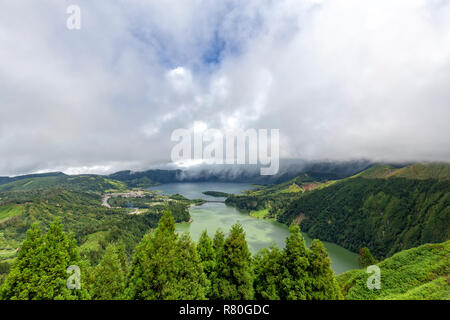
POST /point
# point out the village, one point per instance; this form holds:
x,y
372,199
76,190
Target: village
x,y
151,199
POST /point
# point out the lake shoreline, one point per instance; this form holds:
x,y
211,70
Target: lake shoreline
x,y
260,232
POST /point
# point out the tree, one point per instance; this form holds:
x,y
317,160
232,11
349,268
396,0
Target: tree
x,y
234,271
269,273
165,267
192,282
322,285
206,253
218,244
207,256
39,272
296,261
109,276
365,258
218,247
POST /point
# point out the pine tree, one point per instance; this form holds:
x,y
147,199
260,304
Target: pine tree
x,y
295,260
206,252
218,247
165,267
18,284
234,270
109,276
218,244
39,272
207,256
322,285
192,283
269,273
365,258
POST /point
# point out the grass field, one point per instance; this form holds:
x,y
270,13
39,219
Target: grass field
x,y
259,213
10,210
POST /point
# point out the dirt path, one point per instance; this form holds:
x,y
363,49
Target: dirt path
x,y
105,203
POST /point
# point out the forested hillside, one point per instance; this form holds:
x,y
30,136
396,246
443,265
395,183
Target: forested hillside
x,y
79,203
416,274
81,213
142,179
416,171
92,183
384,208
4,180
385,215
271,200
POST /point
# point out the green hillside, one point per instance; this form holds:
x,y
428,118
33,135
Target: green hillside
x,y
10,210
438,171
415,274
269,201
416,171
81,213
4,180
78,202
385,208
143,179
376,172
385,215
76,183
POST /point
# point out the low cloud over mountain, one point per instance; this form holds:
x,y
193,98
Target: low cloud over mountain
x,y
341,80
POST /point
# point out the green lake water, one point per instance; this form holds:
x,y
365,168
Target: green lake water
x,y
260,233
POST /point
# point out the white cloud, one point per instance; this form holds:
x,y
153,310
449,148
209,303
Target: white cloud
x,y
180,78
341,79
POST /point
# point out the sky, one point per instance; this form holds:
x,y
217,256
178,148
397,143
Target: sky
x,y
341,80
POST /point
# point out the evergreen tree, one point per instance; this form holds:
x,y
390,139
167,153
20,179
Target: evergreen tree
x,y
234,270
192,283
18,284
218,247
165,267
39,272
207,256
295,259
322,285
218,244
109,276
206,253
269,273
365,258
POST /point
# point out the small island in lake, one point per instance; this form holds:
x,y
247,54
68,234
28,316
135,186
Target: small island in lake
x,y
216,194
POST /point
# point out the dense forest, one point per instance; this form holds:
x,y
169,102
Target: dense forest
x,y
384,208
385,215
81,212
166,265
